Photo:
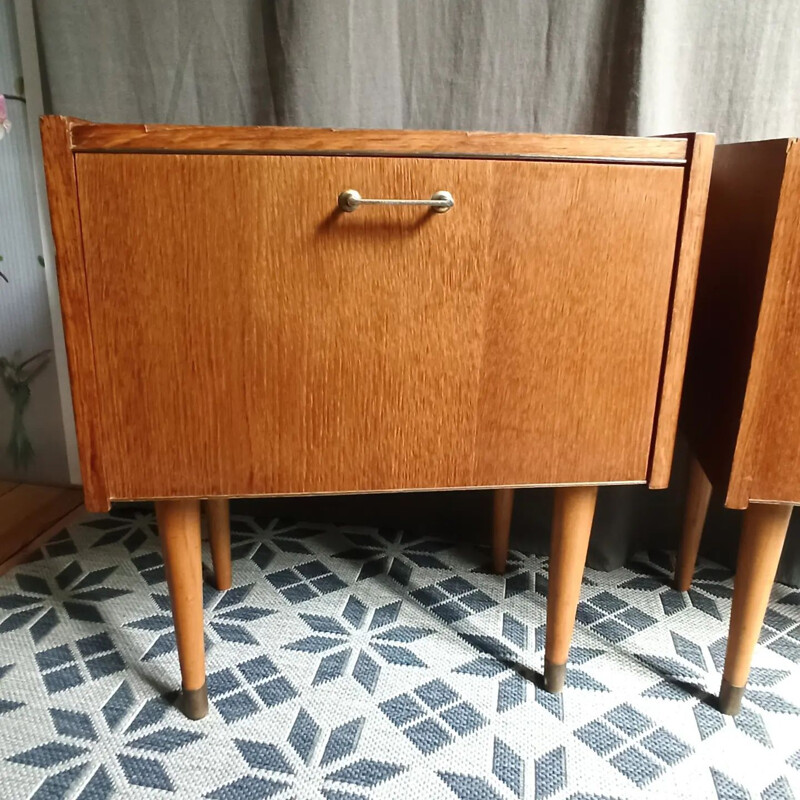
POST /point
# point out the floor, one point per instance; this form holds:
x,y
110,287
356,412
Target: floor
x,y
357,662
28,511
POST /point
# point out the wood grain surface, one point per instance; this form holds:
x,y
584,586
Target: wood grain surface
x,y
763,534
218,514
179,531
743,199
581,259
502,511
737,253
698,494
573,514
766,464
62,193
187,138
693,216
250,339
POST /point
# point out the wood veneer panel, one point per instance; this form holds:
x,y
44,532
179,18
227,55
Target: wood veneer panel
x,y
743,199
767,461
693,216
253,340
186,138
515,339
575,322
62,194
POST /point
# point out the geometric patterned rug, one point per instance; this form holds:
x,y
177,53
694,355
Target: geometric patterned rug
x,y
352,662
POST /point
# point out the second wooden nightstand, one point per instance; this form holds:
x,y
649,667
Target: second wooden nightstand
x,y
741,410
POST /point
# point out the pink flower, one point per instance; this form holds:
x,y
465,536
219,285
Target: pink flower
x,y
5,123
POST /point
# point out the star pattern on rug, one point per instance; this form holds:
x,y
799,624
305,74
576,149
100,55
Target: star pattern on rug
x,y
361,662
265,540
360,641
392,553
506,777
309,756
524,572
45,602
135,752
226,615
131,528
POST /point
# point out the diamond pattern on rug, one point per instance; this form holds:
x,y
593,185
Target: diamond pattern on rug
x,y
244,689
73,663
432,715
453,598
781,633
351,662
633,743
612,617
305,581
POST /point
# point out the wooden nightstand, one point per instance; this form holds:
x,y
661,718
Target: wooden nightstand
x,y
262,311
741,410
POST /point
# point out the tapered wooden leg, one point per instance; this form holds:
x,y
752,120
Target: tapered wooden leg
x,y
697,497
569,542
763,534
219,534
501,528
179,528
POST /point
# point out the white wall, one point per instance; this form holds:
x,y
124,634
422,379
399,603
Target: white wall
x,y
25,322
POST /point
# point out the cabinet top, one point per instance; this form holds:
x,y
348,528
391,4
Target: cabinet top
x,y
97,137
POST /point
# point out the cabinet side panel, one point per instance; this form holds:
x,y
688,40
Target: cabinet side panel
x,y
687,259
766,465
62,192
742,202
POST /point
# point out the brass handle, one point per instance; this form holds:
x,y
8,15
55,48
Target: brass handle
x,y
350,200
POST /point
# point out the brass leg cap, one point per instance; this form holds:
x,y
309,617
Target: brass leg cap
x,y
554,675
194,702
730,698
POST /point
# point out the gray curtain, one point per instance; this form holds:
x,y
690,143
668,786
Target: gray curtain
x,y
624,67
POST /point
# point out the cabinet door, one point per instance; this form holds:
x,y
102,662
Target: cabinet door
x,y
252,339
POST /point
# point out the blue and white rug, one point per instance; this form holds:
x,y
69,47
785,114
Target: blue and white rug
x,y
356,662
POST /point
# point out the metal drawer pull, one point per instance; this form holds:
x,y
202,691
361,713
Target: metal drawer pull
x,y
440,202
